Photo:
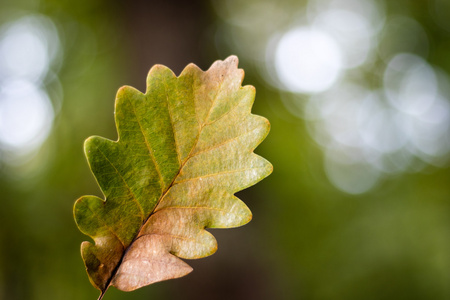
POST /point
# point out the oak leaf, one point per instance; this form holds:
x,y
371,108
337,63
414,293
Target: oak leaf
x,y
185,148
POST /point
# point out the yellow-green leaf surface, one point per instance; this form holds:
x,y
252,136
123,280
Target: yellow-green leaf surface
x,y
184,148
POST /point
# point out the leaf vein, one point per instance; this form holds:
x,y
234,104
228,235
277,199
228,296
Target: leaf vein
x,y
191,207
216,174
172,123
227,113
147,144
126,184
223,143
106,225
213,102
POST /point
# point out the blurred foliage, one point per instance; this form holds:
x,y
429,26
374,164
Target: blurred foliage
x,y
308,240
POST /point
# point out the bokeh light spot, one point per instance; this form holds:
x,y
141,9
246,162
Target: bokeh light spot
x,y
351,31
307,60
29,47
26,116
410,83
353,178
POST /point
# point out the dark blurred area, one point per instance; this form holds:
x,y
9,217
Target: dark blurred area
x,y
357,92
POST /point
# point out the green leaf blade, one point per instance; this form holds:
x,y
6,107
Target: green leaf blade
x,y
185,147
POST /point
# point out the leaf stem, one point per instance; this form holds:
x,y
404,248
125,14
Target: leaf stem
x,y
103,293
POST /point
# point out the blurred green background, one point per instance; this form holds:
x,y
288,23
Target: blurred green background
x,y
357,92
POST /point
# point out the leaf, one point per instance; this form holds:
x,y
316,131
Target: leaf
x,y
184,148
